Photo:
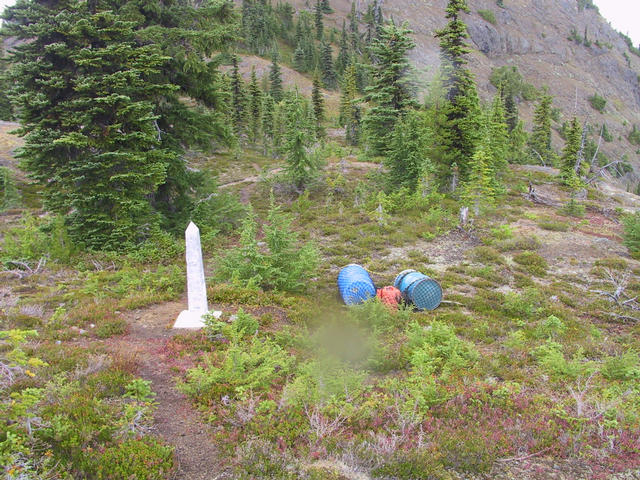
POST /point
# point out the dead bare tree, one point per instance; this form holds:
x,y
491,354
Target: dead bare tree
x,y
23,269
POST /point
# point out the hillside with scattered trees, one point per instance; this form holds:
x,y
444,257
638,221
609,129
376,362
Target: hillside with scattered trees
x,y
479,144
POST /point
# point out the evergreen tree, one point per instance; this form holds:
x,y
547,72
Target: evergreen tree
x,y
319,20
326,7
511,110
457,133
350,114
477,189
301,166
343,53
255,107
391,93
497,137
517,143
268,119
103,113
540,139
318,105
299,59
570,154
354,33
238,100
407,160
275,79
329,78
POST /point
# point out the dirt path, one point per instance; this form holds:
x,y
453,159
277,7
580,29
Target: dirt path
x,y
175,419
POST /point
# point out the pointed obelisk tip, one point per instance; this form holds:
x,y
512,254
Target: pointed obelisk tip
x,y
192,226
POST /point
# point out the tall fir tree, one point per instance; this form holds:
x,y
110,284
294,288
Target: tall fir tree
x,y
238,100
568,160
103,113
407,160
268,120
497,138
318,105
540,138
350,111
391,92
319,20
299,59
275,78
457,134
510,109
329,77
255,108
301,166
477,188
343,52
354,30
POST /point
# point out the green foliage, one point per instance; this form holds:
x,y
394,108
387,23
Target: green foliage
x,y
623,367
34,239
540,139
318,105
302,167
597,102
8,192
281,265
457,128
551,357
105,127
436,349
244,325
391,92
350,111
479,191
276,90
573,209
569,159
488,15
219,211
551,327
243,368
407,159
512,83
329,76
634,136
532,263
631,237
146,459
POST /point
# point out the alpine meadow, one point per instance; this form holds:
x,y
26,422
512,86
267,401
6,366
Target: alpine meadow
x,y
318,240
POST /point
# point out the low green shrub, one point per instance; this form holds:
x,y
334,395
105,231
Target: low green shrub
x,y
631,236
573,209
282,264
622,367
532,263
598,102
145,459
487,255
519,242
488,15
8,192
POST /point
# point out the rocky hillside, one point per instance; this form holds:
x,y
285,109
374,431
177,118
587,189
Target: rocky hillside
x,y
534,36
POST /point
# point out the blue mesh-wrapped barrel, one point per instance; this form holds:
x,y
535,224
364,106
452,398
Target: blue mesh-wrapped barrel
x,y
424,292
355,285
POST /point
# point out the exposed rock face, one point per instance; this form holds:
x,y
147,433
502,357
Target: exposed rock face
x,y
533,35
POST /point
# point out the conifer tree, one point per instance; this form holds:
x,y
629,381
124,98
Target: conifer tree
x,y
238,100
569,157
318,105
343,53
268,127
498,137
540,139
477,189
458,132
326,7
106,127
350,113
301,166
299,59
319,20
354,33
275,78
255,107
517,143
407,160
329,78
511,109
391,93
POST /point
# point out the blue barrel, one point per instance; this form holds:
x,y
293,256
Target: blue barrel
x,y
419,289
355,285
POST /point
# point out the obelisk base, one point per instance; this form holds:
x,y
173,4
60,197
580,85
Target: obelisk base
x,y
193,320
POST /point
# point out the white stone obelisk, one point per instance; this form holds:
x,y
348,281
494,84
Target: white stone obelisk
x,y
196,286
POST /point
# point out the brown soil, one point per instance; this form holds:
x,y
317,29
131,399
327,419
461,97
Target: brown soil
x,y
175,419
